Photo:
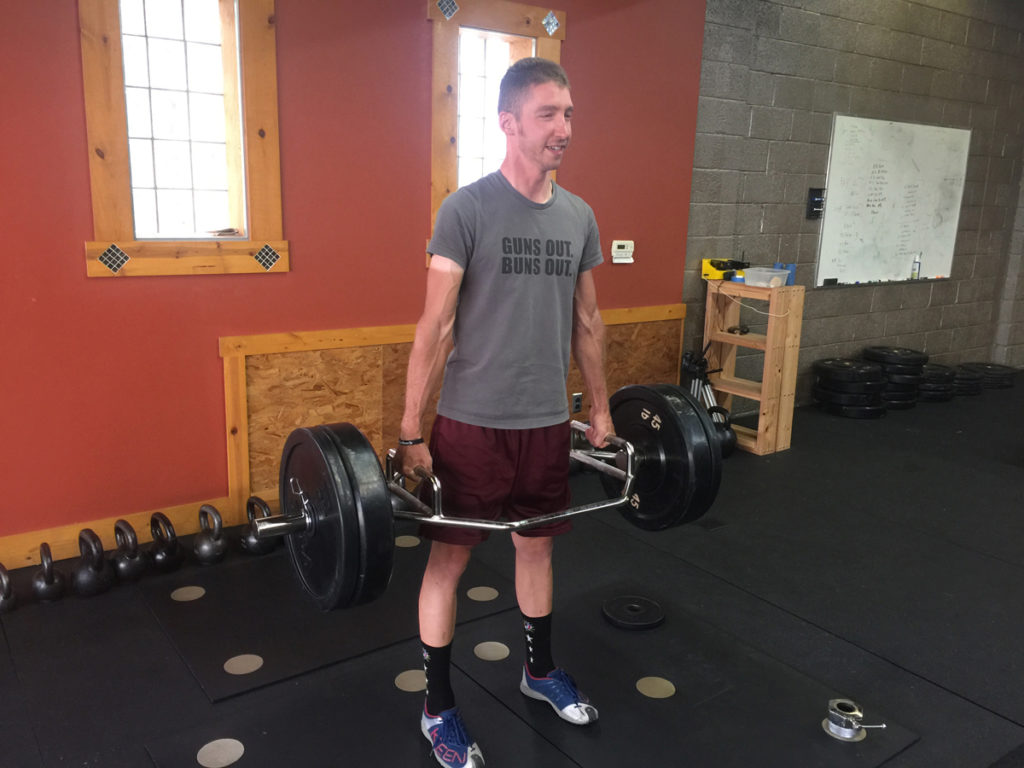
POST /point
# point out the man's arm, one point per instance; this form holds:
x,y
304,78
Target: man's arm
x,y
430,349
588,351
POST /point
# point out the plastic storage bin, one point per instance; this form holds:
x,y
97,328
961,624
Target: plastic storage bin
x,y
765,276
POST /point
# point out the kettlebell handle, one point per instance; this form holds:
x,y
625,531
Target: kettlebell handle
x,y
91,547
46,560
161,528
209,518
125,537
256,504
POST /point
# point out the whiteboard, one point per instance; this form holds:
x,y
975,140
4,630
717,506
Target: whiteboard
x,y
893,195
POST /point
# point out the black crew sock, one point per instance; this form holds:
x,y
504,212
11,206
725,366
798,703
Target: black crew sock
x,y
436,665
538,645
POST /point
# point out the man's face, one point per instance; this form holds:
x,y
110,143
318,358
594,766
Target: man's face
x,y
542,131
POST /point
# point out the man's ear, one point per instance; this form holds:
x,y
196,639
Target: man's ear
x,y
507,123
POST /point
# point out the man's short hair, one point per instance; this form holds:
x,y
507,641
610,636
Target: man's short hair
x,y
521,76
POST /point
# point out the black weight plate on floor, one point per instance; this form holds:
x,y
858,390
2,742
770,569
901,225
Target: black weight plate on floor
x,y
845,369
897,387
989,369
936,397
633,612
912,370
846,398
935,388
855,411
938,372
895,355
833,385
900,405
676,478
902,378
373,508
900,396
326,555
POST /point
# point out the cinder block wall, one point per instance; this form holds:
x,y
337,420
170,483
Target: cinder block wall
x,y
774,72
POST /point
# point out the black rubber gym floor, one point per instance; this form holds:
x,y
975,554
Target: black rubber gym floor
x,y
879,561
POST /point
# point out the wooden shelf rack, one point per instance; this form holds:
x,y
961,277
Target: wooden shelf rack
x,y
780,344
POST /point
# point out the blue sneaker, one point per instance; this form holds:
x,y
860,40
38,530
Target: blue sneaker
x,y
560,691
450,744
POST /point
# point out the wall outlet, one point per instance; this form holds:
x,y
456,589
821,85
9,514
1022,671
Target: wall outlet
x,y
577,402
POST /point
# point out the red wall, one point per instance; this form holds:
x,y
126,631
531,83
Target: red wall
x,y
112,392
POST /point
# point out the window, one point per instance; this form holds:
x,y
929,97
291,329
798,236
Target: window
x,y
483,58
484,27
184,116
185,173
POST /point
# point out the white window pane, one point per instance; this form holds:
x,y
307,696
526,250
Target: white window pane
x,y
209,166
163,18
172,163
136,67
207,117
205,68
167,64
136,101
144,205
471,137
170,115
491,93
202,21
174,209
471,52
140,156
212,211
471,96
494,146
133,21
497,58
470,169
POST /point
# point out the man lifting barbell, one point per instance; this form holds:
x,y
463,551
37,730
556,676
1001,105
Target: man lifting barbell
x,y
662,467
509,293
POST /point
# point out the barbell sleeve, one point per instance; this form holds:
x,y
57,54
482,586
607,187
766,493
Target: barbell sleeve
x,y
280,525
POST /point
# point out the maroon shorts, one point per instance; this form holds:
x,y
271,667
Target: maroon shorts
x,y
488,473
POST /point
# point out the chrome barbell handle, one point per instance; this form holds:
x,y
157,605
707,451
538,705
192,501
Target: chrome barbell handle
x,y
434,515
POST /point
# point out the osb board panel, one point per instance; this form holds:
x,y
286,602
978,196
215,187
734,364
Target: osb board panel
x,y
366,386
297,389
636,353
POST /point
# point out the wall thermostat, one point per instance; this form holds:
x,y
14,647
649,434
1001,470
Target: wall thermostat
x,y
622,251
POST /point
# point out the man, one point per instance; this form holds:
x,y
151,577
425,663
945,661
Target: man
x,y
509,294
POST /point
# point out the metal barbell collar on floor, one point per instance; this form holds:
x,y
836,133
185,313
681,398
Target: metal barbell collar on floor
x,y
338,505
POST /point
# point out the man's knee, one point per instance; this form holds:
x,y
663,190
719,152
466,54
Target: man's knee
x,y
447,562
533,548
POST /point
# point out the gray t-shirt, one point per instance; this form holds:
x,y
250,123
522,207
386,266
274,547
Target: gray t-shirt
x,y
513,324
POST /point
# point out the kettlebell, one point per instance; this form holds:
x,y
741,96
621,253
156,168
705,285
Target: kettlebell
x,y
725,433
129,561
250,542
47,581
92,574
6,592
210,544
166,551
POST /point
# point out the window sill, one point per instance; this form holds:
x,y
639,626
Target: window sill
x,y
222,257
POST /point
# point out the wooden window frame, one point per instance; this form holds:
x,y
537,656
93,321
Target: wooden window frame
x,y
496,16
106,121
